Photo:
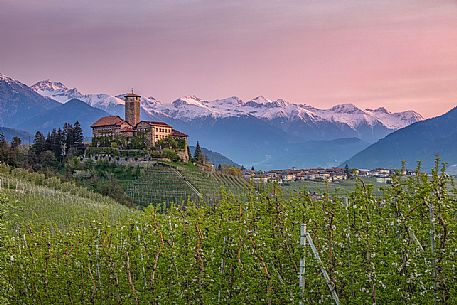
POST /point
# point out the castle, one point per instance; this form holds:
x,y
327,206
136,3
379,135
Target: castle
x,y
113,126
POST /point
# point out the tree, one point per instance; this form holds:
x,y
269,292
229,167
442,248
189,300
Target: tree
x,y
13,153
56,143
78,139
189,154
39,144
37,148
198,155
3,148
68,136
252,168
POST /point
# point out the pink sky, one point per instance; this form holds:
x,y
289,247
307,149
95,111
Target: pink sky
x,y
398,54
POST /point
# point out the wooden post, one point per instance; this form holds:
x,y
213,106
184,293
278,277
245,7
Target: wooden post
x,y
324,272
432,247
301,271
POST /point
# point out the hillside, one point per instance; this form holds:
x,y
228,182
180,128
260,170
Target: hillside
x,y
420,141
215,157
40,201
159,184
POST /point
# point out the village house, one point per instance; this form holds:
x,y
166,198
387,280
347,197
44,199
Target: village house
x,y
114,126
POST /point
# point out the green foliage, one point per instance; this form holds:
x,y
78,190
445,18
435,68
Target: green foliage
x,y
138,141
5,287
198,155
395,247
172,143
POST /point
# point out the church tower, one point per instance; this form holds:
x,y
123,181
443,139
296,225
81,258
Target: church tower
x,y
132,108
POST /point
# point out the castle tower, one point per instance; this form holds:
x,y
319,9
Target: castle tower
x,y
132,108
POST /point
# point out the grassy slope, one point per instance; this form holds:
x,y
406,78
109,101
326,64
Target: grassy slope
x,y
37,201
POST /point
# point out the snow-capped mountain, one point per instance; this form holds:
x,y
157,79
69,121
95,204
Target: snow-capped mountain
x,y
61,93
112,104
189,108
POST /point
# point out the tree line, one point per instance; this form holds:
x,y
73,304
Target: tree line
x,y
48,151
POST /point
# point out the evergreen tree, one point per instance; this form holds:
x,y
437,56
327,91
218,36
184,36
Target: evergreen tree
x,y
252,168
198,155
15,142
3,148
189,154
48,141
57,144
68,136
37,148
78,139
13,154
39,144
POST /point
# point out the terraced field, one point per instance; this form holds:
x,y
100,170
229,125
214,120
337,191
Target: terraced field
x,y
164,184
211,184
159,185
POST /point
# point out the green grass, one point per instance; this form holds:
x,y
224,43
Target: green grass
x,y
39,202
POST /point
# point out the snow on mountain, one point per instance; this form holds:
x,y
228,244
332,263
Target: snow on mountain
x,y
395,120
56,90
61,93
149,104
189,108
7,79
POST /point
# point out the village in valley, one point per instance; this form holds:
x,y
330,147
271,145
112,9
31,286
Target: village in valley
x,y
380,175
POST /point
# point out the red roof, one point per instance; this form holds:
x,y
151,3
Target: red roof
x,y
152,123
113,120
178,134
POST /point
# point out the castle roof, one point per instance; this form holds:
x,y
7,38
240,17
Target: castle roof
x,y
112,120
153,123
178,134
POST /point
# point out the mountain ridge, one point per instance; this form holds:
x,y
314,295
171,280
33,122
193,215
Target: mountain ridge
x,y
421,141
188,108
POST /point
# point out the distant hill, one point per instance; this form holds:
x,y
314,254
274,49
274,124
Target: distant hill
x,y
19,103
215,157
9,133
419,141
70,112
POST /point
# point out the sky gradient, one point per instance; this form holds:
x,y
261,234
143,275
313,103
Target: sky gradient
x,y
399,54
